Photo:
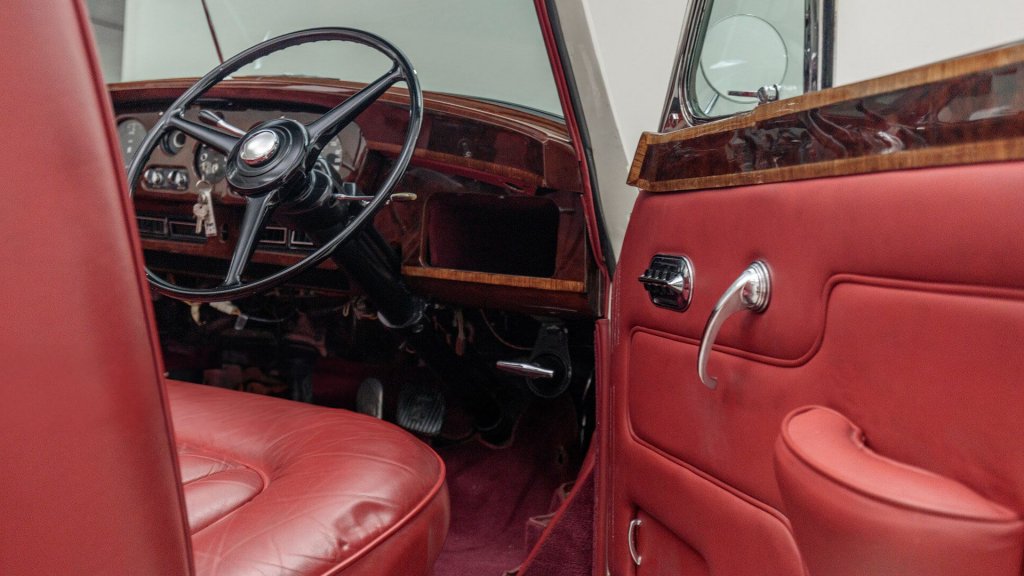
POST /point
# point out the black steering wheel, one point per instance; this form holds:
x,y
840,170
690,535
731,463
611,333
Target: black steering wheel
x,y
274,162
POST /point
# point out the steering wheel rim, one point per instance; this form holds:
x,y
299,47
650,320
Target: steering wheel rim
x,y
173,118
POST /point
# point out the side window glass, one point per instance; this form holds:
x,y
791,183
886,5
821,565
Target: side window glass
x,y
749,51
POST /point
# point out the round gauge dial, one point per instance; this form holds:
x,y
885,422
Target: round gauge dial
x,y
210,164
131,132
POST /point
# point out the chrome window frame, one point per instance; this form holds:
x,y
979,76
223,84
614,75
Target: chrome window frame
x,y
819,37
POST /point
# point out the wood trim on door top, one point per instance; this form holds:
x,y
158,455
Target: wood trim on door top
x,y
961,111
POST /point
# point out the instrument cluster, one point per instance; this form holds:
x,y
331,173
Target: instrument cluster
x,y
179,163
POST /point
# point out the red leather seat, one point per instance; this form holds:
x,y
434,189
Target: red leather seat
x,y
273,486
101,458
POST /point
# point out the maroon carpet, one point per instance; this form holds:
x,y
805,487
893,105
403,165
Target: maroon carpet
x,y
494,493
567,548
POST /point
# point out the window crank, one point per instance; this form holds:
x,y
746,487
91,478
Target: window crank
x,y
751,291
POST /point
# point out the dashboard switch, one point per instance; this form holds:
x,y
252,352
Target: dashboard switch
x,y
166,178
180,179
154,178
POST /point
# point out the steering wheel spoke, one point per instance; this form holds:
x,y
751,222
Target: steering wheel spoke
x,y
214,138
257,211
334,120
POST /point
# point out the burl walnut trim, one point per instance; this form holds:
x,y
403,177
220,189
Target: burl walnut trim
x,y
547,284
961,111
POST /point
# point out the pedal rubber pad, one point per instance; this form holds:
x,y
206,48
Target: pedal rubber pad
x,y
421,409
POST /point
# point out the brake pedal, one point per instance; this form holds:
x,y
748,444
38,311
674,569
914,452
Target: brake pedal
x,y
370,398
421,409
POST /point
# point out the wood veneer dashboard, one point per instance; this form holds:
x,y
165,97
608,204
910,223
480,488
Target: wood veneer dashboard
x,y
497,222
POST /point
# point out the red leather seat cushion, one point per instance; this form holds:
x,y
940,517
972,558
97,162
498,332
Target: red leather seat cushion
x,y
278,487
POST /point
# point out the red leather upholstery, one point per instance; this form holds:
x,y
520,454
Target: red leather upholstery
x,y
897,302
856,512
277,487
90,481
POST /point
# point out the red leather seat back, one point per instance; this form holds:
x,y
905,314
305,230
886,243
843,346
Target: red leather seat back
x,y
89,473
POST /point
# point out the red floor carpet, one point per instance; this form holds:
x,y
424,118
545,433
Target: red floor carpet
x,y
494,492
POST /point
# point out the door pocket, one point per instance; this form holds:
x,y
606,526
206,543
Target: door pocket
x,y
855,512
663,553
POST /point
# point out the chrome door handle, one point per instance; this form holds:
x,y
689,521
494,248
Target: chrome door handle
x,y
631,539
751,291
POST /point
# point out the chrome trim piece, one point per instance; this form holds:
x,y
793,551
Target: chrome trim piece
x,y
678,111
185,230
395,197
213,119
276,230
764,95
751,291
812,39
166,179
260,147
631,539
669,281
675,112
526,370
769,93
162,222
300,240
826,43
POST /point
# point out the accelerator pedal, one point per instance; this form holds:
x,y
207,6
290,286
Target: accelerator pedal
x,y
370,398
421,409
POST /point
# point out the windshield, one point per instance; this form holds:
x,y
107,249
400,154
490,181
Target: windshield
x,y
489,49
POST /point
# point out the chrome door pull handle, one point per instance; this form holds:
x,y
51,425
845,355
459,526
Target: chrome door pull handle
x,y
751,291
631,539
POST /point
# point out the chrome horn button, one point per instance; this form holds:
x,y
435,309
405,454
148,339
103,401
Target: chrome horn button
x,y
259,148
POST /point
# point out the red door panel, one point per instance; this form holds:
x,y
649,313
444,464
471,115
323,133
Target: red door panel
x,y
893,336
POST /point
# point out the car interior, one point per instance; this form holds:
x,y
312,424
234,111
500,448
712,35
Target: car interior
x,y
286,324
462,309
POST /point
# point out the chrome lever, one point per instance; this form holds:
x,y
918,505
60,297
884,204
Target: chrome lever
x,y
751,291
526,369
764,94
213,119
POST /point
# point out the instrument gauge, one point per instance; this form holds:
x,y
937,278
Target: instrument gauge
x,y
210,164
130,132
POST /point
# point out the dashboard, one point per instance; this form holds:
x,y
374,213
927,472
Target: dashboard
x,y
491,211
179,162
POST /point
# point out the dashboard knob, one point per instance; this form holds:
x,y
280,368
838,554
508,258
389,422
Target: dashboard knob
x,y
180,179
154,178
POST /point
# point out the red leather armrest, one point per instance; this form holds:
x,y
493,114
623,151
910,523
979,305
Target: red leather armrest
x,y
855,512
